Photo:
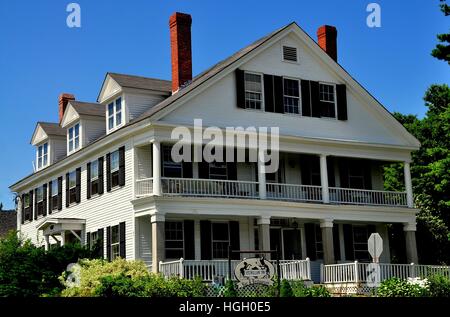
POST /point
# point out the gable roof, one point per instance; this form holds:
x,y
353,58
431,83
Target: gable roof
x,y
50,129
88,108
140,82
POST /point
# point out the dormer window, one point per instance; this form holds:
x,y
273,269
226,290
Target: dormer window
x,y
74,138
115,114
42,156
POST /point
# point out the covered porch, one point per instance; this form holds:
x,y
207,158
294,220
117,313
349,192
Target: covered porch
x,y
61,231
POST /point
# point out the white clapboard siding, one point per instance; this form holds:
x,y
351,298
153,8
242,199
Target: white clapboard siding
x,y
93,129
138,104
102,211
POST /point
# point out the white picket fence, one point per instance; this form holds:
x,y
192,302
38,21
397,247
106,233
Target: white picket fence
x,y
356,272
208,270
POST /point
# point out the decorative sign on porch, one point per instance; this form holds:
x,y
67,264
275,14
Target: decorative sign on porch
x,y
375,246
254,271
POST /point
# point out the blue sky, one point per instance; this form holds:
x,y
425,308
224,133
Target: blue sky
x,y
40,57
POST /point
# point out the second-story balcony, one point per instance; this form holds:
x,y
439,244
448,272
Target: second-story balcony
x,y
300,178
190,187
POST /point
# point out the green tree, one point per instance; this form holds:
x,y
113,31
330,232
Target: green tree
x,y
430,171
442,50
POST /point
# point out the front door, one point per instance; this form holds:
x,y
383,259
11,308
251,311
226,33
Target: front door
x,y
287,241
291,244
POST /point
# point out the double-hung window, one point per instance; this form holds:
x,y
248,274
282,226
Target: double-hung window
x,y
360,237
74,138
42,156
94,181
319,242
72,187
40,201
253,91
218,170
291,95
93,240
115,166
327,96
220,240
115,114
115,242
171,168
55,192
174,239
356,176
27,207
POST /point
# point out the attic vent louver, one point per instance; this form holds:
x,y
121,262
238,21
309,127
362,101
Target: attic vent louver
x,y
290,54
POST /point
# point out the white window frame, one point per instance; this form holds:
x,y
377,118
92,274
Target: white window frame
x,y
93,239
114,114
261,75
282,54
26,201
42,156
335,99
115,255
40,192
115,169
219,241
182,237
94,163
299,97
71,137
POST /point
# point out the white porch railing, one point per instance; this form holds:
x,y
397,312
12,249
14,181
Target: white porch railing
x,y
208,270
144,187
275,191
294,192
209,188
358,272
367,197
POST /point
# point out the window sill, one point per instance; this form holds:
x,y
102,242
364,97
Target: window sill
x,y
94,196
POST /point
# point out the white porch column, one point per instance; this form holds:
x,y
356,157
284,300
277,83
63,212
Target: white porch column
x,y
47,242
410,238
327,241
408,184
263,223
156,161
261,175
63,238
158,240
324,179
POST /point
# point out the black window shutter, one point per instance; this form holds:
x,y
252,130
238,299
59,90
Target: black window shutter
x,y
348,242
306,98
343,172
269,102
108,172
44,202
315,99
336,243
88,183
78,185
235,239
100,176
122,236
203,170
189,240
30,213
88,240
67,190
240,88
35,205
205,237
232,170
187,170
367,175
100,241
108,243
122,166
330,170
60,180
310,241
305,170
341,96
23,208
278,94
50,202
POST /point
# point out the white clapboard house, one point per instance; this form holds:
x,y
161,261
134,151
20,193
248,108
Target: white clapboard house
x,y
104,173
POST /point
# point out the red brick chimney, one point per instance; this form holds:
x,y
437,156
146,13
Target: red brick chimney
x,y
63,100
327,39
180,42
